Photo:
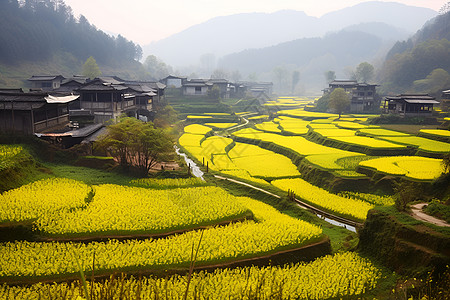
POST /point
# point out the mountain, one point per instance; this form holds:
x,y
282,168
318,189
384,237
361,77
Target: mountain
x,y
42,36
417,58
311,56
228,34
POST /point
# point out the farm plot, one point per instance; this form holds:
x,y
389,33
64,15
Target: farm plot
x,y
423,144
293,125
268,126
42,199
340,275
221,125
350,208
415,167
119,210
271,232
197,129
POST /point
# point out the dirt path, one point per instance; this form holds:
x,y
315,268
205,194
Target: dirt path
x,y
418,214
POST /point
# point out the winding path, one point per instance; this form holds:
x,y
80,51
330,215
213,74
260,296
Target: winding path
x,y
299,203
418,214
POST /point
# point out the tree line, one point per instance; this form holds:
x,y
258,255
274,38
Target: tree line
x,y
36,30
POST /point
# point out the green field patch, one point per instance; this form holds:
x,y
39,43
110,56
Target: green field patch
x,y
375,132
421,143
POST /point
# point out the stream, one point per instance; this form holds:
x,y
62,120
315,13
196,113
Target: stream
x,y
195,170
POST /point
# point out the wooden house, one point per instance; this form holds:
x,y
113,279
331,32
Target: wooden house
x,y
196,87
31,113
103,99
410,105
445,100
362,95
46,82
173,81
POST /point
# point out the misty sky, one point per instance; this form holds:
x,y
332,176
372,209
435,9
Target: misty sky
x,y
144,21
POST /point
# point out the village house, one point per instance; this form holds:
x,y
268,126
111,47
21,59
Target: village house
x,y
173,81
362,95
103,99
33,112
410,105
46,82
445,100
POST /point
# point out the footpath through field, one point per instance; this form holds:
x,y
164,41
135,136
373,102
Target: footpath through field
x,y
418,214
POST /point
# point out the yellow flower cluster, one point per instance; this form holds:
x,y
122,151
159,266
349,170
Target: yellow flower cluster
x,y
436,132
273,231
221,125
268,126
356,209
337,276
42,199
420,142
293,125
7,151
416,167
197,129
125,210
367,142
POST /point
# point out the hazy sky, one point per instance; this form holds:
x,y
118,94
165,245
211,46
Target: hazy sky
x,y
144,21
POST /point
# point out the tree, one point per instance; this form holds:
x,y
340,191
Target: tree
x,y
134,143
435,82
295,80
214,93
156,68
364,72
330,76
91,69
406,192
339,101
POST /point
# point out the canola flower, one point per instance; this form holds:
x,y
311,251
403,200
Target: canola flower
x,y
268,126
272,231
421,143
332,276
197,129
385,200
356,209
8,153
120,209
375,132
416,167
329,161
436,132
367,142
42,199
221,125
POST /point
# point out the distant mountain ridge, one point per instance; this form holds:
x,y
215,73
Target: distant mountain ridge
x,y
228,34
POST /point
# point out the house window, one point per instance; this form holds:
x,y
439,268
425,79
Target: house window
x,y
198,90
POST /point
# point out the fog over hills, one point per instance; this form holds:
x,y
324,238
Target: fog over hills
x,y
229,34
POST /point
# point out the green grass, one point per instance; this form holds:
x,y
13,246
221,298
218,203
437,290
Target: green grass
x,y
439,210
87,175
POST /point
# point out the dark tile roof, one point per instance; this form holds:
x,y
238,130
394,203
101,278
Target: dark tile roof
x,y
45,77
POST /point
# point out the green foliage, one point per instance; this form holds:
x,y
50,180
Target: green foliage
x,y
402,69
364,72
214,93
322,103
439,210
91,69
330,76
405,193
39,30
434,83
135,143
156,68
339,101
